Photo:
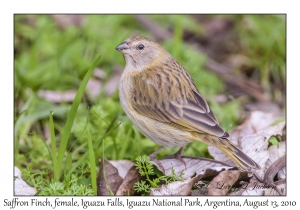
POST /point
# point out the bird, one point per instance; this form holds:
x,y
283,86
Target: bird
x,y
160,97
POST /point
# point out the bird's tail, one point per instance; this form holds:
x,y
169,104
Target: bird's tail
x,y
238,156
234,153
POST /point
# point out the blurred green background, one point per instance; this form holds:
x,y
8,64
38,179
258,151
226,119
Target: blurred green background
x,y
53,53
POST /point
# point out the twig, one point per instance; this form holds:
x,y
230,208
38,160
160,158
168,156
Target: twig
x,y
273,170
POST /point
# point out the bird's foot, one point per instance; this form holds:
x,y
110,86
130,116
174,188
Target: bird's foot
x,y
157,162
177,156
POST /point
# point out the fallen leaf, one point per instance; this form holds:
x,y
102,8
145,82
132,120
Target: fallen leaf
x,y
251,139
109,179
193,165
219,184
99,73
93,87
21,187
200,192
122,165
127,186
254,187
57,96
222,183
281,187
256,121
117,177
249,188
175,188
185,187
276,152
274,169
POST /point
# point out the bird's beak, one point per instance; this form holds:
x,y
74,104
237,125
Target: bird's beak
x,y
122,46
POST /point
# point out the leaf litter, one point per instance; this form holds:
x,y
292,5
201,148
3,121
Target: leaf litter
x,y
20,186
218,176
221,177
117,177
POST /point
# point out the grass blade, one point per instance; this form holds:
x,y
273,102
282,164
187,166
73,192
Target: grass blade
x,y
97,145
53,146
92,162
71,116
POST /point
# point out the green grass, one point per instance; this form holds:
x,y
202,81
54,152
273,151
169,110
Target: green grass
x,y
82,132
53,147
71,117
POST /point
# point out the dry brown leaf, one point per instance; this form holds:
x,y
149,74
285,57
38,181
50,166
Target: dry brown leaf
x,y
127,186
199,192
222,183
273,170
185,187
175,188
255,146
99,73
193,165
255,187
21,187
281,187
253,137
256,121
276,152
201,189
249,188
252,140
242,176
57,96
122,165
109,179
93,87
117,177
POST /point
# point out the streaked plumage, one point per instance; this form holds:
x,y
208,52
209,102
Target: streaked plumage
x,y
161,99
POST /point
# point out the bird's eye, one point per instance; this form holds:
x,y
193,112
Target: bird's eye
x,y
141,47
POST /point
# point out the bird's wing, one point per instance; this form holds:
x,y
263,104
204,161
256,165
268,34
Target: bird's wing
x,y
172,97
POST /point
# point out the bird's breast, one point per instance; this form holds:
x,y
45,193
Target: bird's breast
x,y
125,94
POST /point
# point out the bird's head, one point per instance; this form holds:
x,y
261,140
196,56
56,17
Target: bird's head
x,y
140,52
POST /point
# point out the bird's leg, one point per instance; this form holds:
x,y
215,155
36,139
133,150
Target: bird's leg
x,y
177,156
153,155
153,159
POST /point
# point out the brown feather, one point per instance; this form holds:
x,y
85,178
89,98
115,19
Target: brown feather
x,y
166,92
